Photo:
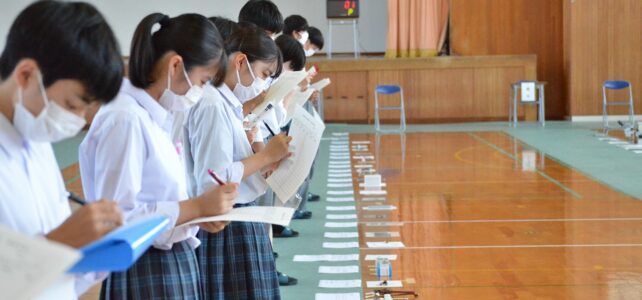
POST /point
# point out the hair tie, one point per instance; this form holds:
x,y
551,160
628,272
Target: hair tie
x,y
164,21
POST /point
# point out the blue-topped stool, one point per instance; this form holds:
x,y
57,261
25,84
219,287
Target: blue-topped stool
x,y
617,85
390,90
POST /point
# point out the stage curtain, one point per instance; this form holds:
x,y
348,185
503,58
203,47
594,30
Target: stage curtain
x,y
416,28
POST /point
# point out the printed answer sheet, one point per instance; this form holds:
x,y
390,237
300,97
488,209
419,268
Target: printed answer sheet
x,y
259,214
30,265
306,132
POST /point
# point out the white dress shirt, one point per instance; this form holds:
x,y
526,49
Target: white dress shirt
x,y
215,139
128,156
33,198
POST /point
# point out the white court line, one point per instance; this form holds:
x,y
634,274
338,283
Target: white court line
x,y
514,246
518,220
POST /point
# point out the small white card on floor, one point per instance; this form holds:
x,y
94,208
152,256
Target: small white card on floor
x,y
385,245
340,175
382,234
341,217
339,185
340,284
337,296
362,185
326,257
339,162
341,235
338,269
340,199
384,224
340,245
379,207
340,208
363,157
341,224
343,171
346,166
346,192
386,284
363,166
373,192
339,180
382,256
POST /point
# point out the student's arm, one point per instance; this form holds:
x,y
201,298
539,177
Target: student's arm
x,y
120,154
87,224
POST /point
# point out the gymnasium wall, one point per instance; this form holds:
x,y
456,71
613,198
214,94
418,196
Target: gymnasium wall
x,y
578,43
124,15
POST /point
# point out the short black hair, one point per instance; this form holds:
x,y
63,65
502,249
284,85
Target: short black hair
x,y
192,36
292,51
256,44
295,23
262,13
68,40
316,37
225,26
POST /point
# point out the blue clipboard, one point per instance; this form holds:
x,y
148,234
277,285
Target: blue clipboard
x,y
120,249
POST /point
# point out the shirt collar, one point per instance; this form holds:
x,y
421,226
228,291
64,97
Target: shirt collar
x,y
231,99
155,110
10,139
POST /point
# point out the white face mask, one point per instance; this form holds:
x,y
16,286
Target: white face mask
x,y
173,102
245,93
53,123
304,37
309,52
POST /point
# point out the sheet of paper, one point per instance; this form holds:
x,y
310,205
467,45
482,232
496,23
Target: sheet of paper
x,y
337,296
340,199
321,84
286,83
337,166
339,193
340,224
30,265
341,235
341,216
371,257
260,214
386,284
340,208
339,185
326,257
384,224
340,284
339,171
340,245
338,269
382,234
297,99
340,180
340,175
379,207
385,245
373,192
306,134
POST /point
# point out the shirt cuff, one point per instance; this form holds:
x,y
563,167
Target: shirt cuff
x,y
236,171
171,210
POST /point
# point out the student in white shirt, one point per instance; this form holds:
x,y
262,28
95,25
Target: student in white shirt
x,y
236,263
52,73
297,27
128,154
315,41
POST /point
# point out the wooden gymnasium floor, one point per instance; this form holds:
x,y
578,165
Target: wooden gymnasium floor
x,y
477,226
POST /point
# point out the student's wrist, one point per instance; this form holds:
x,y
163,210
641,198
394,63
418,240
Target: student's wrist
x,y
190,210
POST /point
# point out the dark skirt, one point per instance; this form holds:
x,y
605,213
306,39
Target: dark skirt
x,y
237,263
158,274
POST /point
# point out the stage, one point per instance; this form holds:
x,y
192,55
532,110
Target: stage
x,y
437,90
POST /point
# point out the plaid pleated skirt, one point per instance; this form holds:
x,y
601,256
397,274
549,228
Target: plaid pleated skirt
x,y
237,263
158,274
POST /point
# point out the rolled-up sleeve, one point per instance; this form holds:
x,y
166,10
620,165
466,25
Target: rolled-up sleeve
x,y
112,168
